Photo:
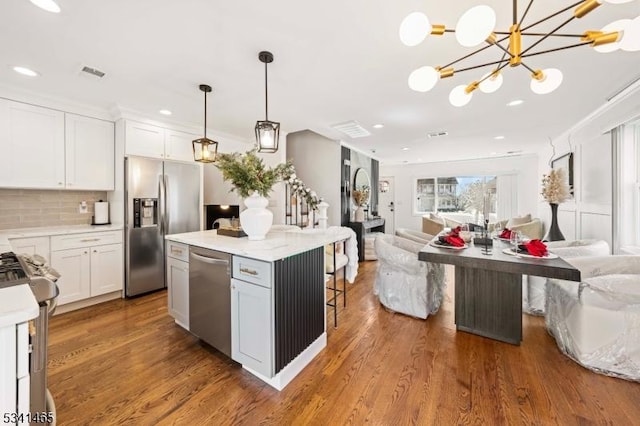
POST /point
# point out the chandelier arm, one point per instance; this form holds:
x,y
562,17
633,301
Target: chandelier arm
x,y
553,35
471,54
506,51
494,71
481,66
531,70
557,49
552,15
524,15
515,11
546,36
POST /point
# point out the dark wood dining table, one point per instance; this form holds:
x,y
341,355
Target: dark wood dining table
x,y
488,287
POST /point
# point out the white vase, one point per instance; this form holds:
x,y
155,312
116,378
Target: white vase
x,y
256,220
359,214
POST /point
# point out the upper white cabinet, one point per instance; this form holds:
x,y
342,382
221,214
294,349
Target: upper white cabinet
x,y
32,146
89,145
48,149
148,140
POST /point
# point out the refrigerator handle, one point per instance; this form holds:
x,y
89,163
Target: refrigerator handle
x,y
165,182
161,208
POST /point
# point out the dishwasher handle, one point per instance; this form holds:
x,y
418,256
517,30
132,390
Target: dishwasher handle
x,y
209,260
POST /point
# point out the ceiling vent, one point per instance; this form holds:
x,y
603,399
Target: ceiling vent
x,y
352,129
93,71
437,134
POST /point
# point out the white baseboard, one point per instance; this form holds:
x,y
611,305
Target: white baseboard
x,y
73,306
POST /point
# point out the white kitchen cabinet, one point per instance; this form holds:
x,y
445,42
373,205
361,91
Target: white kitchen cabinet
x,y
31,246
32,145
178,145
178,290
90,151
251,318
105,261
74,268
178,282
147,140
90,264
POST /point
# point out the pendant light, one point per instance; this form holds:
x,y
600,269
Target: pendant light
x,y
267,132
205,150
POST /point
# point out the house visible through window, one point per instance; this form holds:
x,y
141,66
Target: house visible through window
x,y
468,198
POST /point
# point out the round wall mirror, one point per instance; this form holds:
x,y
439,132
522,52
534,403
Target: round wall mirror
x,y
361,187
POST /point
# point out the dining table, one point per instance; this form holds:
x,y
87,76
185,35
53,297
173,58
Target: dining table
x,y
488,284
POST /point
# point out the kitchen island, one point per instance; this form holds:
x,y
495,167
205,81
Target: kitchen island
x,y
274,291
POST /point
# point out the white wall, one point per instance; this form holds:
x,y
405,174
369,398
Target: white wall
x,y
523,168
590,213
317,162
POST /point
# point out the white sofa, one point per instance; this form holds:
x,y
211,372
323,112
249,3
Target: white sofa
x,y
597,322
534,287
403,283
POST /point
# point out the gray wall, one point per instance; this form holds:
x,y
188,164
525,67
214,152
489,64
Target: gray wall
x,y
317,162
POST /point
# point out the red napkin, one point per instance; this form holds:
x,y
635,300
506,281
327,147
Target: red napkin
x,y
506,233
453,238
535,248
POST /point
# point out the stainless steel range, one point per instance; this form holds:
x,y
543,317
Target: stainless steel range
x,y
15,270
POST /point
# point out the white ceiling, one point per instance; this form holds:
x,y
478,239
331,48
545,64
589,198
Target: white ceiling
x,y
335,61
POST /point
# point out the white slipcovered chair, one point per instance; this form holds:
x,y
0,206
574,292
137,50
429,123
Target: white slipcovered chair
x,y
597,322
403,283
534,287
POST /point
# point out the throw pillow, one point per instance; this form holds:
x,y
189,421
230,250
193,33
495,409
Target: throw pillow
x,y
521,220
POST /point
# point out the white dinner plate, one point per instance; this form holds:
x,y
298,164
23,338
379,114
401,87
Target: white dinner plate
x,y
510,252
438,244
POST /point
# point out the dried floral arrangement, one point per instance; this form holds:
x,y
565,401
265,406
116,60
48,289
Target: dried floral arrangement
x,y
361,196
555,188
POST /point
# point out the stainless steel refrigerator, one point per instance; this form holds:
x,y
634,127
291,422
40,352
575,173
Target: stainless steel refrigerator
x,y
162,198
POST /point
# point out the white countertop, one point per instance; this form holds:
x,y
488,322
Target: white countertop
x,y
45,231
277,245
17,304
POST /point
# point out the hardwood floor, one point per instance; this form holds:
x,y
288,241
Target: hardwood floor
x,y
126,362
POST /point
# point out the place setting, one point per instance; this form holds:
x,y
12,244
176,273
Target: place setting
x,y
456,239
519,247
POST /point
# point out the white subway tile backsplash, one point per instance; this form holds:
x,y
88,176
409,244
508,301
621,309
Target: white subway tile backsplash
x,y
30,208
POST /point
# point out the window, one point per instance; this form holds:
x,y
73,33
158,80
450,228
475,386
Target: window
x,y
466,197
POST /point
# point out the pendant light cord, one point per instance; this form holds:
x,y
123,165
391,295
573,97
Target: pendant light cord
x,y
205,115
266,93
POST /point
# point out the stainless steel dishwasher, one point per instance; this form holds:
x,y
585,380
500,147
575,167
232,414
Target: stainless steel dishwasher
x,y
210,297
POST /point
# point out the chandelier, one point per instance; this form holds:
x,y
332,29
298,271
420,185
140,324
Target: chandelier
x,y
477,27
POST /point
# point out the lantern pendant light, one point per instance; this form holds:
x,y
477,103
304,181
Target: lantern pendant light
x,y
267,132
205,150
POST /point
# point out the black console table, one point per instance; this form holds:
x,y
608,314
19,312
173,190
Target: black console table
x,y
362,228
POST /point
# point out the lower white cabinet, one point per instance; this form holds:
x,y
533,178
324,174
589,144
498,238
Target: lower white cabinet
x,y
89,264
31,246
178,290
251,319
14,373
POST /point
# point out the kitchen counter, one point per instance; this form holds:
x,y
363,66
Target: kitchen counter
x,y
277,245
17,305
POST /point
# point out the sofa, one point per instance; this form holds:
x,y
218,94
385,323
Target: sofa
x,y
403,283
597,322
433,224
528,226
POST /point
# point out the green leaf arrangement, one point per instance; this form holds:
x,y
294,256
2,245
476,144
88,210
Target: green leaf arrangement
x,y
248,173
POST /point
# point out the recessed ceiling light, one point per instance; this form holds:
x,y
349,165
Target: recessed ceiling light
x,y
405,149
515,103
26,71
48,5
378,126
499,138
165,112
